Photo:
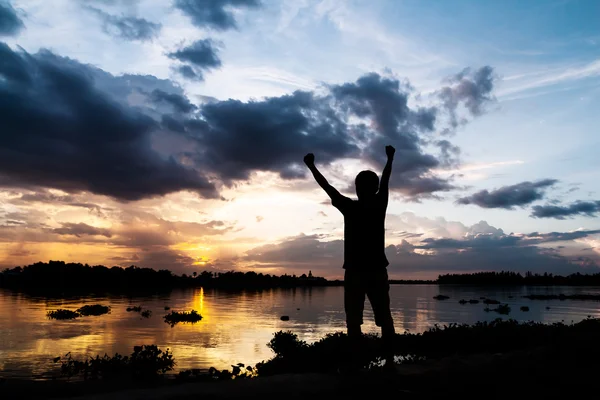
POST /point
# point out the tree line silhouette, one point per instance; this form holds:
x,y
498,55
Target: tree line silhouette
x,y
515,278
61,276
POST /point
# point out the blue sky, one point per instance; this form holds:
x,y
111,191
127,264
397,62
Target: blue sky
x,y
540,121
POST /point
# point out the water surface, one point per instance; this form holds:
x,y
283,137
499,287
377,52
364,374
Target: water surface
x,y
237,325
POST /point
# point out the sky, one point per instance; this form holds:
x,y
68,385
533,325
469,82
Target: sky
x,y
170,134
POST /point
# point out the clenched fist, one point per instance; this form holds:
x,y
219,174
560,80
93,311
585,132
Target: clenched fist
x,y
390,150
309,159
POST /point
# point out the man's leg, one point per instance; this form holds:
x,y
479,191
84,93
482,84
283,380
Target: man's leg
x,y
354,303
379,297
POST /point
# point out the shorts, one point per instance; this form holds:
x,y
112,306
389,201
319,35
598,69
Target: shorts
x,y
373,284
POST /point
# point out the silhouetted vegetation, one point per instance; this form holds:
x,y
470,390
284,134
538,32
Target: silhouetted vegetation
x,y
441,297
85,311
514,278
328,354
95,309
490,301
138,309
61,277
501,309
563,297
62,314
175,317
412,282
145,362
58,276
239,371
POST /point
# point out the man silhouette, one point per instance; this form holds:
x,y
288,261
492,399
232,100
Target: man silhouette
x,y
365,262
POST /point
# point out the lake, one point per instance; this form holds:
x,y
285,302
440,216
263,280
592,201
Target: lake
x,y
236,326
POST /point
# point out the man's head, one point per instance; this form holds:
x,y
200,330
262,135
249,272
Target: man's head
x,y
367,184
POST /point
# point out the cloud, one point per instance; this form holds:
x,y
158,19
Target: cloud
x,y
10,23
386,102
46,197
536,237
478,252
137,136
236,138
470,88
128,28
508,197
408,223
81,229
585,208
215,14
198,57
292,252
178,102
61,130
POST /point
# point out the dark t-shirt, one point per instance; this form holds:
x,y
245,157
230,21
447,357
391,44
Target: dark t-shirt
x,y
364,231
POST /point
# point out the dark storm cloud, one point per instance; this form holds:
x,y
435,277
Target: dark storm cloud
x,y
214,14
585,208
188,72
237,138
178,102
199,56
60,130
77,128
560,236
470,88
128,28
386,102
10,23
81,229
508,197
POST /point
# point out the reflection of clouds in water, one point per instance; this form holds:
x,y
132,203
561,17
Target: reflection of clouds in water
x,y
237,325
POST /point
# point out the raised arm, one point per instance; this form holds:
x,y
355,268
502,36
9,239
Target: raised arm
x,y
387,171
309,160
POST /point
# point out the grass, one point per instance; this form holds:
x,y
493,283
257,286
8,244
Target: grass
x,y
175,317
